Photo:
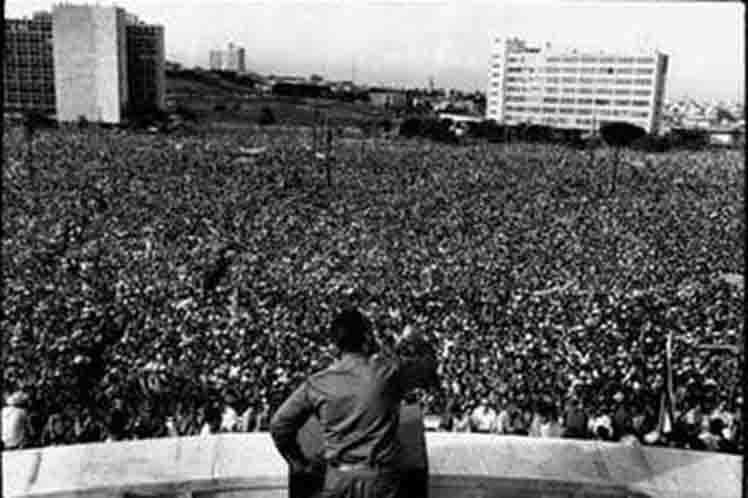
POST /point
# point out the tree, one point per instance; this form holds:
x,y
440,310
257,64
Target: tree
x,y
619,134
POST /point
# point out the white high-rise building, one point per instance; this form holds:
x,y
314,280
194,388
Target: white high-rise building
x,y
90,62
574,89
231,59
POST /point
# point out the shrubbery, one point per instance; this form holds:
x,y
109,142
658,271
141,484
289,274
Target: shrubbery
x,y
430,128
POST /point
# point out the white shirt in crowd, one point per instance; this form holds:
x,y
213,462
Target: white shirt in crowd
x,y
484,418
14,426
229,420
601,421
551,429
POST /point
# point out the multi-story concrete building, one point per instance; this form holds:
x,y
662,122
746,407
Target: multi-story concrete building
x,y
90,52
146,66
28,77
231,59
83,61
574,89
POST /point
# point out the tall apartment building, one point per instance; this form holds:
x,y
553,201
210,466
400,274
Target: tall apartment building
x,y
29,82
146,66
574,89
90,52
89,61
232,59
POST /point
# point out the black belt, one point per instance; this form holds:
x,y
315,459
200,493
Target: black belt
x,y
362,466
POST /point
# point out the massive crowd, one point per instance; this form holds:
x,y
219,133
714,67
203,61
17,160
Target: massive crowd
x,y
162,285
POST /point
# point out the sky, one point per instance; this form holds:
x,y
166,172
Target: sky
x,y
406,43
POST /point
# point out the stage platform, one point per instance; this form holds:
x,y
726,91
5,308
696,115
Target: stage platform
x,y
461,465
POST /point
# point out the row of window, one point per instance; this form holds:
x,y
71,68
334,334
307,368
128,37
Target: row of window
x,y
572,90
30,86
603,91
580,111
582,101
584,81
583,70
512,118
18,99
602,60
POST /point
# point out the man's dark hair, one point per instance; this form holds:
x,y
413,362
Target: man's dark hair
x,y
603,433
350,330
716,425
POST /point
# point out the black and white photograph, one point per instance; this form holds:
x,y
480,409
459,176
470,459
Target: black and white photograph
x,y
373,249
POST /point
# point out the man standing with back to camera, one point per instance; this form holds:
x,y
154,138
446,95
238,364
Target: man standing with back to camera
x,y
357,401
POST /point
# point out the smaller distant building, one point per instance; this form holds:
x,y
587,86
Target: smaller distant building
x,y
726,137
172,66
388,98
294,80
232,59
216,60
460,118
343,86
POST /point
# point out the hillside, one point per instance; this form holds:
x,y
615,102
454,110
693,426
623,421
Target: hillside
x,y
217,100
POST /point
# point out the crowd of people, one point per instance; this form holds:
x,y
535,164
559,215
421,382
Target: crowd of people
x,y
163,285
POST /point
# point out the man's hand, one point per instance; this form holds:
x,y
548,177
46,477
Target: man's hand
x,y
300,467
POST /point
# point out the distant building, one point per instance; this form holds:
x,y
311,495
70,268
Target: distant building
x,y
459,118
232,59
574,89
216,60
296,80
236,59
90,53
172,66
146,66
388,98
724,137
84,61
28,76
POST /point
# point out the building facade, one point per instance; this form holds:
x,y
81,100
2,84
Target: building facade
x,y
573,89
83,61
146,66
232,59
28,77
90,53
